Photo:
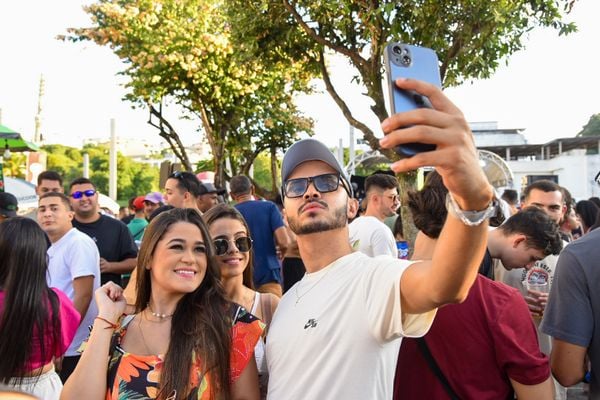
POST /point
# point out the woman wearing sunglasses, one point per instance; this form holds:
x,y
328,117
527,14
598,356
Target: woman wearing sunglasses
x,y
233,247
185,340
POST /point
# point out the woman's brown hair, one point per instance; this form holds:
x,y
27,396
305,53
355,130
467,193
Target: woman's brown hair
x,y
201,324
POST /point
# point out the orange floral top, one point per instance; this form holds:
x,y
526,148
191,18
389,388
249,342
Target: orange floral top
x,y
132,376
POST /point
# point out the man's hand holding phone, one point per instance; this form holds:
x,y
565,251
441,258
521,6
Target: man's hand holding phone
x,y
414,62
455,155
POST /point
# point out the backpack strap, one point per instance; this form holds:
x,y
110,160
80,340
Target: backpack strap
x,y
486,268
435,368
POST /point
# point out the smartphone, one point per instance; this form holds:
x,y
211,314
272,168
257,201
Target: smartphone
x,y
408,61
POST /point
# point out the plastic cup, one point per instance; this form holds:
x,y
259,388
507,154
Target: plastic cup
x,y
538,287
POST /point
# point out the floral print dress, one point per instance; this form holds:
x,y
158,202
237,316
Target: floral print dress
x,y
134,377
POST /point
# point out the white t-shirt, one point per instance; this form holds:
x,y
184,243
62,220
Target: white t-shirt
x,y
336,333
73,256
372,237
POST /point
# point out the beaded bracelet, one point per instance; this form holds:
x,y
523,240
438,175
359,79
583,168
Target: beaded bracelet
x,y
112,326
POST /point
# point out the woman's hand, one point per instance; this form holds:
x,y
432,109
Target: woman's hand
x,y
111,302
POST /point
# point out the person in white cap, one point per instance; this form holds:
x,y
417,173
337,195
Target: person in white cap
x,y
336,333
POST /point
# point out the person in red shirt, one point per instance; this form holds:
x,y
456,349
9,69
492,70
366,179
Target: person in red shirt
x,y
485,347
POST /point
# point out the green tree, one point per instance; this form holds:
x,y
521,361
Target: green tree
x,y
15,166
67,161
133,178
181,51
470,37
262,176
592,128
205,165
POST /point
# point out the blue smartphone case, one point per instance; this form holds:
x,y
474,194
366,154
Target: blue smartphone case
x,y
408,61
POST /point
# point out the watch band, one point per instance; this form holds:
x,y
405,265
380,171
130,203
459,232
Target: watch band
x,y
470,218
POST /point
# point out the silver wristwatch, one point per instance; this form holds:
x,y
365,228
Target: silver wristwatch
x,y
470,218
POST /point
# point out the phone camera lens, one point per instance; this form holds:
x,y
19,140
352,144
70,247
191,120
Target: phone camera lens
x,y
397,50
406,60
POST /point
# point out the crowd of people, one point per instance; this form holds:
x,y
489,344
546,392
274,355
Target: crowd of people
x,y
190,296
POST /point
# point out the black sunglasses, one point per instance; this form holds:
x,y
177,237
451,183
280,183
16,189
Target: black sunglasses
x,y
243,244
79,194
323,183
181,178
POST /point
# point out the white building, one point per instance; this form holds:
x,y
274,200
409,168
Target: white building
x,y
570,162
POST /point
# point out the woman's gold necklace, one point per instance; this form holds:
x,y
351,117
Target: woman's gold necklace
x,y
157,315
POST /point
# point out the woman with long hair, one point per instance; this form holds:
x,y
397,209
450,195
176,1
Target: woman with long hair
x,y
185,339
37,323
233,247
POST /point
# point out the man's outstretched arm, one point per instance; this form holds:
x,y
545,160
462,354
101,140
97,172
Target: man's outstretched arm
x,y
449,275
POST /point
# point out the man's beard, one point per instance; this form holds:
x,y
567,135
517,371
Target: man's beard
x,y
339,219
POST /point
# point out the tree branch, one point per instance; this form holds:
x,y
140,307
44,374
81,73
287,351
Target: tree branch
x,y
373,84
368,133
170,135
354,56
457,46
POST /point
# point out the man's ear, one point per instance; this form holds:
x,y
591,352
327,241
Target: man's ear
x,y
187,195
352,207
517,239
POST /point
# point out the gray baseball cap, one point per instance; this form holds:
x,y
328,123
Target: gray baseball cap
x,y
311,150
208,187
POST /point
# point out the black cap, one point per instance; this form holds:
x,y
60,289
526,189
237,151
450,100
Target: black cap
x,y
8,205
206,188
310,150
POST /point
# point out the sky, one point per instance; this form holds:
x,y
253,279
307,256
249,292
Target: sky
x,y
550,89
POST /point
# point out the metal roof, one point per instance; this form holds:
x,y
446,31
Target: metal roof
x,y
551,149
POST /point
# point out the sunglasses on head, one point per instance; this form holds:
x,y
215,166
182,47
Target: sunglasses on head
x,y
323,183
181,178
79,194
243,244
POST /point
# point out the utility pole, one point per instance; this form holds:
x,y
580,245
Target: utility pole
x,y
37,136
86,165
112,162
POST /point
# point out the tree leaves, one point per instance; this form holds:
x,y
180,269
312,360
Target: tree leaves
x,y
592,128
183,50
134,178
